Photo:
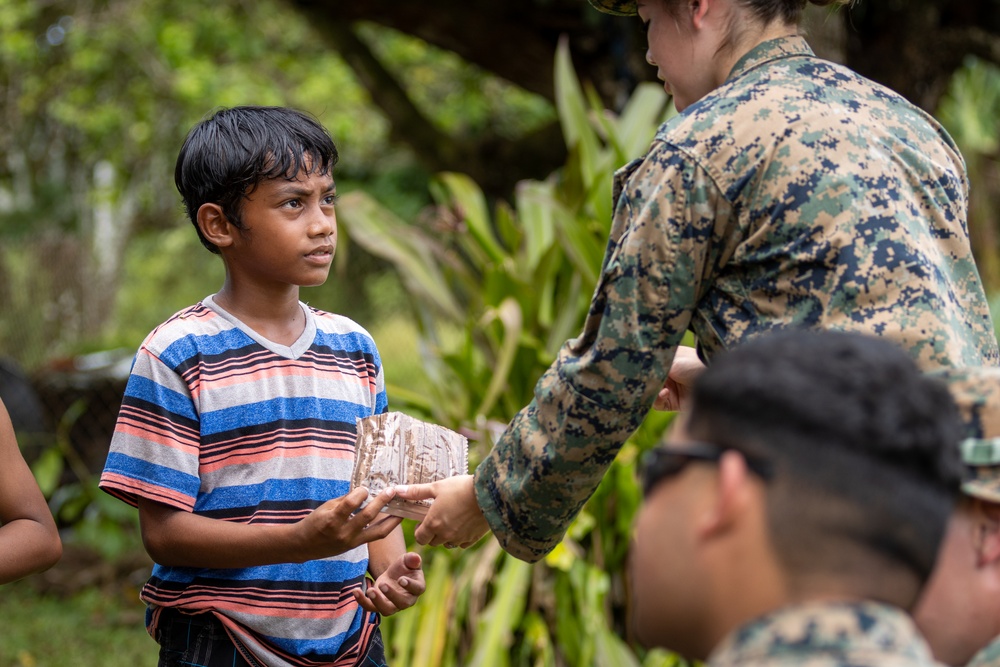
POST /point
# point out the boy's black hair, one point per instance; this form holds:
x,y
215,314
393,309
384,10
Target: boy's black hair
x,y
226,156
864,448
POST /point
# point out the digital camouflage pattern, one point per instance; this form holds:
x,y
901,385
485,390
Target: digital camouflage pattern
x,y
864,634
797,194
988,657
977,394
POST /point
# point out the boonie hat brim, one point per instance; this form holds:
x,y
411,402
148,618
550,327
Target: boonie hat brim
x,y
616,7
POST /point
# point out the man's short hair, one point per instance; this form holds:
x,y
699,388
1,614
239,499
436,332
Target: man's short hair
x,y
863,444
227,155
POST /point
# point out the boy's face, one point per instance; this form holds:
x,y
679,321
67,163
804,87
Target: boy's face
x,y
290,233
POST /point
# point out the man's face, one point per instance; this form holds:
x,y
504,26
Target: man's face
x,y
664,573
951,612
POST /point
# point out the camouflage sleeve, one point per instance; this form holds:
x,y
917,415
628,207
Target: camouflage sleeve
x,y
660,258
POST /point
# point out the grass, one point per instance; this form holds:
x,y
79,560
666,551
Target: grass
x,y
92,627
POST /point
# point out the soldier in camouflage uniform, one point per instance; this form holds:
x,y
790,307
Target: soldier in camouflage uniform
x,y
960,610
813,474
788,192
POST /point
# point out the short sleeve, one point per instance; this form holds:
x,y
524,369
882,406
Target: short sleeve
x,y
154,451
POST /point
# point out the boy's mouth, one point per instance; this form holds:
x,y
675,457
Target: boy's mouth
x,y
321,251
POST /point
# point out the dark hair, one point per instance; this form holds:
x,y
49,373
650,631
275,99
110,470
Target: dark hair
x,y
864,448
226,156
789,11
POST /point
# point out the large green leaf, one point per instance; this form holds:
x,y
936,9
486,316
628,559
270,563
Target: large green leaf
x,y
382,233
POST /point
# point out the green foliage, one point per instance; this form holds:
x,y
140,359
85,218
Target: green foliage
x,y
969,110
97,100
971,107
90,628
496,289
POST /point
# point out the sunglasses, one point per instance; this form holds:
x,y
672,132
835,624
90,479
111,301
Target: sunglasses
x,y
663,463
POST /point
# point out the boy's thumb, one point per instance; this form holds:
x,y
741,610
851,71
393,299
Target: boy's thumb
x,y
411,560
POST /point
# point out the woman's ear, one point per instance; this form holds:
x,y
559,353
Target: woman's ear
x,y
215,226
700,10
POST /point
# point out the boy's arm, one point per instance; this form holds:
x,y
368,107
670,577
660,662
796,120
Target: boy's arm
x,y
178,538
29,540
399,581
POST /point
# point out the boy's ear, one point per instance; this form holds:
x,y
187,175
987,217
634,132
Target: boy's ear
x,y
215,226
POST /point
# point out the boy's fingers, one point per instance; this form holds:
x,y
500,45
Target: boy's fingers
x,y
368,513
379,529
411,560
364,602
412,585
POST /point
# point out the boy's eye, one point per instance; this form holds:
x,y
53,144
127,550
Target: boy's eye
x,y
293,203
331,199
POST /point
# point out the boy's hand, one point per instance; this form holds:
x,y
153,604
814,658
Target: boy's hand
x,y
338,525
396,589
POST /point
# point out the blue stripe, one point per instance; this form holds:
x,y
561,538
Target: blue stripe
x,y
280,409
299,490
324,571
349,342
151,473
223,342
147,390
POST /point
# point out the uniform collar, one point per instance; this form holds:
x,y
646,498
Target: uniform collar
x,y
812,630
988,657
765,52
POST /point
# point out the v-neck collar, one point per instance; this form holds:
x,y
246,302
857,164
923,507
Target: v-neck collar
x,y
294,351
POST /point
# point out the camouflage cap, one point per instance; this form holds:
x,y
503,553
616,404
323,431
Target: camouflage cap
x,y
977,393
616,7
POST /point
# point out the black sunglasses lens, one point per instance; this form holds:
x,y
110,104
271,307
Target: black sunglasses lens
x,y
659,464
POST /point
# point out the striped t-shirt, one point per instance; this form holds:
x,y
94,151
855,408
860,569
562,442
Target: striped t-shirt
x,y
219,421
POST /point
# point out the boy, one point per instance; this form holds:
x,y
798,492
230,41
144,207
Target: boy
x,y
796,509
238,423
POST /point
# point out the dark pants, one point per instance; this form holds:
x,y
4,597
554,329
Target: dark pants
x,y
202,641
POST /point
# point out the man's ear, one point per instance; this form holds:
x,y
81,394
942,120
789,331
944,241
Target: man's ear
x,y
987,536
734,496
215,226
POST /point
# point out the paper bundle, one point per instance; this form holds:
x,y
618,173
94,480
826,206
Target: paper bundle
x,y
393,448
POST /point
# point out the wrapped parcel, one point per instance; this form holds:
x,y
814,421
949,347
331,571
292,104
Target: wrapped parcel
x,y
393,448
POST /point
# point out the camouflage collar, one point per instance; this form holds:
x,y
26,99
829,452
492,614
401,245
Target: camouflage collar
x,y
815,630
775,49
989,656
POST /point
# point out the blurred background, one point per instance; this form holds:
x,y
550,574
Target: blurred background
x,y
477,143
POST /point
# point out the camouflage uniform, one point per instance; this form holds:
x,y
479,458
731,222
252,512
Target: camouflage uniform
x,y
797,194
863,634
988,657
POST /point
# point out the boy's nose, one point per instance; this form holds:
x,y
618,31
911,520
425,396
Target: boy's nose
x,y
322,223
